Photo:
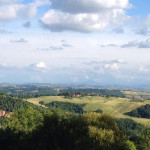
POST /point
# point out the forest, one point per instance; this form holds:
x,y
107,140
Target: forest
x,y
141,112
67,107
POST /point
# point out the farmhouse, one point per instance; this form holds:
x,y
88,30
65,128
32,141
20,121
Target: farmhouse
x,y
77,95
2,113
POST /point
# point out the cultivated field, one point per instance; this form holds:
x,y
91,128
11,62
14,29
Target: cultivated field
x,y
114,106
135,93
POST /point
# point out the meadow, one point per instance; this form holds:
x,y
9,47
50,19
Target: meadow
x,y
136,93
114,106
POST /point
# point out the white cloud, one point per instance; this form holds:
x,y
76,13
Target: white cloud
x,y
3,65
30,10
85,16
106,64
141,44
118,61
142,69
41,65
113,66
143,26
142,31
60,21
132,44
8,12
13,9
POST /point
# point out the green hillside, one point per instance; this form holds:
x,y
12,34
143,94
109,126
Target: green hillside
x,y
114,106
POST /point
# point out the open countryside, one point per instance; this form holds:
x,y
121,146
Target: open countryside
x,y
114,106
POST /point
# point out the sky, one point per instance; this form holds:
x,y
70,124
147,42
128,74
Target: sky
x,y
78,42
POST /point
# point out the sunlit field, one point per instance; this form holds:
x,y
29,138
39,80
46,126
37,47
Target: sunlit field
x,y
113,105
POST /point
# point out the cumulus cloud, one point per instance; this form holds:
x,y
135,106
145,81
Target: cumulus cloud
x,y
143,31
84,16
19,41
90,6
141,44
60,21
131,44
119,61
11,9
30,10
113,66
37,66
143,26
27,24
41,65
143,68
8,12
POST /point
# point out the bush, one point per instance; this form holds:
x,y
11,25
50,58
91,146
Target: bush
x,y
42,102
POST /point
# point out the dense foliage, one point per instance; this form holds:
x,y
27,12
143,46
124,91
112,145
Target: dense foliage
x,y
10,103
129,126
142,112
29,129
67,107
137,133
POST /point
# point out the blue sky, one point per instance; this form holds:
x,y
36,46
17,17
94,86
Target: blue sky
x,y
92,42
139,8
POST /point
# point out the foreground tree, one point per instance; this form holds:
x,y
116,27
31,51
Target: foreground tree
x,y
29,129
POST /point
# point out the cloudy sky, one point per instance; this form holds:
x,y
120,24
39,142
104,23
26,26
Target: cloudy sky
x,y
93,42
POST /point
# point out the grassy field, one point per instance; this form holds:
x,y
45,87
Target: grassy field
x,y
114,106
135,93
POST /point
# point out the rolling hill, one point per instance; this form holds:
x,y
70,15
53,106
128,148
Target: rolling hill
x,y
114,106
